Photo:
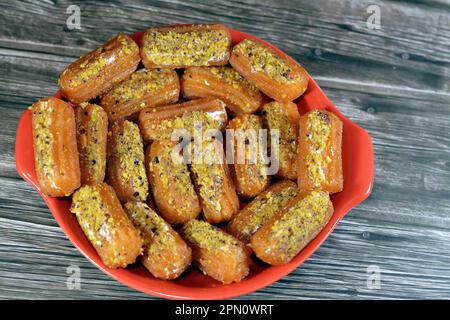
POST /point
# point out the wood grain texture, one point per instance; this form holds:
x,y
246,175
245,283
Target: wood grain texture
x,y
394,82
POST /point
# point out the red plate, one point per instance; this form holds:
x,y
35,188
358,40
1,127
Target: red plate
x,y
358,166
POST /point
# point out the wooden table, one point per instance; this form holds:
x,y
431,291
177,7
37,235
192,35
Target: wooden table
x,y
393,81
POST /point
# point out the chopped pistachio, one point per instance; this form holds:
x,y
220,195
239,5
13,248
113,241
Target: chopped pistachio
x,y
140,83
92,64
175,179
44,140
300,221
158,239
209,176
264,206
194,48
130,150
207,236
319,132
92,214
276,117
232,77
188,120
263,59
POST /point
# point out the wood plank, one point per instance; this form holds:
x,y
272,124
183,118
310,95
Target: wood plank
x,y
411,49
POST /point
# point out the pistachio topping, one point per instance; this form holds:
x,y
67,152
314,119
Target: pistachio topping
x,y
128,46
89,69
253,171
189,120
276,117
175,179
96,221
263,59
264,206
93,63
140,83
42,122
207,236
194,48
319,132
287,153
209,177
91,149
300,222
157,235
93,214
130,150
232,77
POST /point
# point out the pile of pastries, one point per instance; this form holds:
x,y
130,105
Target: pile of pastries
x,y
108,144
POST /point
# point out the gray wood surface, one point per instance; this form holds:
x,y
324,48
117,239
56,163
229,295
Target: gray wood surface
x,y
394,82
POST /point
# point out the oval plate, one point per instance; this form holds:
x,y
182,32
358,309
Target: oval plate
x,y
358,167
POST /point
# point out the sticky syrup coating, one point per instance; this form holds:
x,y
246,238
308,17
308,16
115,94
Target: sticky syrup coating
x,y
44,141
284,117
225,83
126,167
274,73
144,88
106,225
179,47
92,130
264,60
218,254
99,70
287,232
213,182
160,123
55,147
255,214
171,184
249,173
320,152
166,255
